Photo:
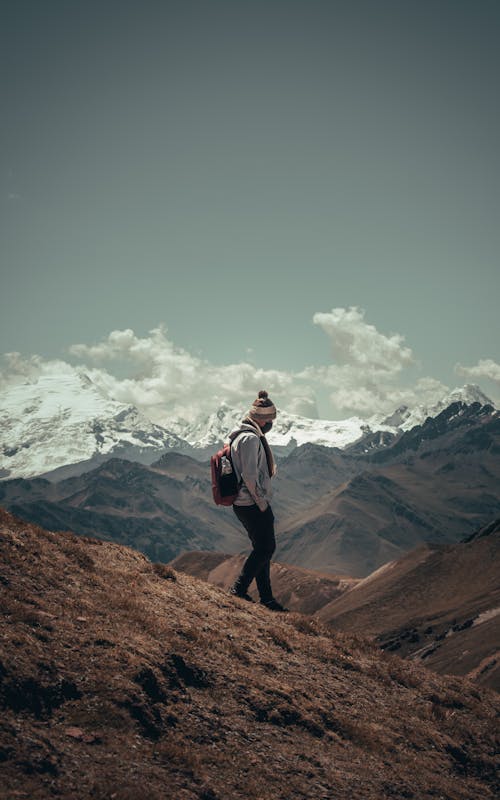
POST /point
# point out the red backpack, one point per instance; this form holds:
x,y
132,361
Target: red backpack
x,y
225,485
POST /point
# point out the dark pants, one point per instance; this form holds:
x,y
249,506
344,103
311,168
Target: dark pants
x,y
260,528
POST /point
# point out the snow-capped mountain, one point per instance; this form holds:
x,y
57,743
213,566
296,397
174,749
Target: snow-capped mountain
x,y
67,419
405,418
289,430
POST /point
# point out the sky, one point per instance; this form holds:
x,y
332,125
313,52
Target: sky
x,y
203,199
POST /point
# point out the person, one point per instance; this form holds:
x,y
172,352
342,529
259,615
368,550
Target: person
x,y
254,466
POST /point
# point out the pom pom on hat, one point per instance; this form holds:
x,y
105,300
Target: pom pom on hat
x,y
263,408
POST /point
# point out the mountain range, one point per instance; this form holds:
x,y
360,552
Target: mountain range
x,y
59,425
108,659
160,509
344,512
433,483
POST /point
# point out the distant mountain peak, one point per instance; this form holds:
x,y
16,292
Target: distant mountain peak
x,y
469,393
406,418
61,419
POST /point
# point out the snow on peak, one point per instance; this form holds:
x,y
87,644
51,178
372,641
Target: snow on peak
x,y
64,418
289,430
60,419
468,394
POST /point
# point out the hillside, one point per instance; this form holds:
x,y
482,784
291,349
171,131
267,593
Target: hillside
x,y
121,679
439,604
302,590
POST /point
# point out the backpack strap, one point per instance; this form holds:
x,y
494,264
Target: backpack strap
x,y
232,437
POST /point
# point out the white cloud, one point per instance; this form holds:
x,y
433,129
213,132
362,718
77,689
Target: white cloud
x,y
359,345
485,368
168,383
18,369
366,366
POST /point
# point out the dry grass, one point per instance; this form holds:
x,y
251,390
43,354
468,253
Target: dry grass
x,y
176,690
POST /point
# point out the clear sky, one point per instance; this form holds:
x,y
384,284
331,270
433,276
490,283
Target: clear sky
x,y
232,169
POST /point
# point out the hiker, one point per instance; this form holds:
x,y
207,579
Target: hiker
x,y
254,466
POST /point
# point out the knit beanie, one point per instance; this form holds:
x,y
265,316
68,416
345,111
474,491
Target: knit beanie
x,y
262,409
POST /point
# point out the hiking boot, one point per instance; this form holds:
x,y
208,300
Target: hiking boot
x,y
273,605
242,595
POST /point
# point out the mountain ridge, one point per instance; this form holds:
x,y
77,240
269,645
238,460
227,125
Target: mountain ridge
x,y
155,510
338,511
63,425
433,483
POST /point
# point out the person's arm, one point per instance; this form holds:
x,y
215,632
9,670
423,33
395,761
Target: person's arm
x,y
249,454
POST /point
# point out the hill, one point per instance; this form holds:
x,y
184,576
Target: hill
x,y
439,604
301,590
122,679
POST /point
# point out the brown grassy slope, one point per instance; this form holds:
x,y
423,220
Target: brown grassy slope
x,y
440,604
301,590
119,679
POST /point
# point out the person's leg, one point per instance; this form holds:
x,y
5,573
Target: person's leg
x,y
266,548
263,580
260,528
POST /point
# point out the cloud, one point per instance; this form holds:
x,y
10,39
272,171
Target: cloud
x,y
168,383
18,369
360,345
485,368
367,364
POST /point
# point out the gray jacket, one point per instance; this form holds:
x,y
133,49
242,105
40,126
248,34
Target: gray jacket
x,y
250,465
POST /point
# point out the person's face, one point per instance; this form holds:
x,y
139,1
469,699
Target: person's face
x,y
266,427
